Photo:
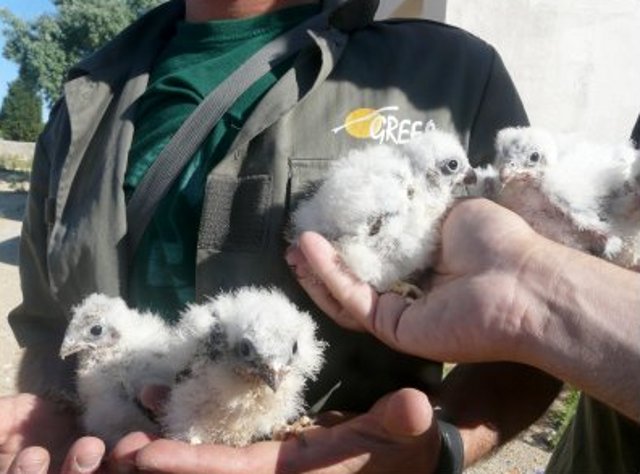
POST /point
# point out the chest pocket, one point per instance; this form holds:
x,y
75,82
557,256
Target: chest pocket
x,y
235,213
305,174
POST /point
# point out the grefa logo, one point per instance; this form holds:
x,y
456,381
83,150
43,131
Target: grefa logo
x,y
382,125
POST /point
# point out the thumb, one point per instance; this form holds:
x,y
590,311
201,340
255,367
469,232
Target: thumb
x,y
406,412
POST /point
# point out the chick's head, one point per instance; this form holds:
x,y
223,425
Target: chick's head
x,y
524,152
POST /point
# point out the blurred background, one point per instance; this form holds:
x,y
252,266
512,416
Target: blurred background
x,y
576,63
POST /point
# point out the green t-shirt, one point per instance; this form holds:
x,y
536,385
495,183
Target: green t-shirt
x,y
598,441
197,59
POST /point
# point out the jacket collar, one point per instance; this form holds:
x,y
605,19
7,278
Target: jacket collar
x,y
351,15
110,64
157,26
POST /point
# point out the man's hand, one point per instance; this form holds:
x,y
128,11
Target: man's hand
x,y
38,436
35,433
397,435
474,306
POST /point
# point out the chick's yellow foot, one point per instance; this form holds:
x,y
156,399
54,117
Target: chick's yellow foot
x,y
292,430
407,290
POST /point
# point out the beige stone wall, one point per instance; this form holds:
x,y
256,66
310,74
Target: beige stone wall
x,y
575,62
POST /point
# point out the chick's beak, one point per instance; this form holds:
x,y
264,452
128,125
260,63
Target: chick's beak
x,y
273,376
470,177
69,347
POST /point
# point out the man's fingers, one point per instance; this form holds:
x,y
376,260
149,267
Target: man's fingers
x,y
350,302
397,433
317,290
123,456
357,299
328,419
165,456
385,321
84,457
33,460
15,409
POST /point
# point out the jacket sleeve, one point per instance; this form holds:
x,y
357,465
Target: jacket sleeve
x,y
39,322
500,107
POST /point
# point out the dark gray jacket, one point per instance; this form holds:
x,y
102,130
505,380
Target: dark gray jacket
x,y
361,82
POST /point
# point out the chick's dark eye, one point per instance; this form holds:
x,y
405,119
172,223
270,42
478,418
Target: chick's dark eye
x,y
534,157
95,330
375,224
245,348
452,165
294,349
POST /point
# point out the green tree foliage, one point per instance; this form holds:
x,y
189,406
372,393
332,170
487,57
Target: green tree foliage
x,y
48,46
21,112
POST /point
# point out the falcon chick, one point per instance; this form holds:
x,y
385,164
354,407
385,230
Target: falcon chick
x,y
624,210
487,183
119,351
563,186
247,377
382,206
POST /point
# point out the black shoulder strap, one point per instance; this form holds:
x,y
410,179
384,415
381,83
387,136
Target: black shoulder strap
x,y
176,154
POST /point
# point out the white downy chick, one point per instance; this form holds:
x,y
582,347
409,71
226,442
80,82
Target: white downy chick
x,y
561,185
624,212
248,375
382,206
487,184
119,351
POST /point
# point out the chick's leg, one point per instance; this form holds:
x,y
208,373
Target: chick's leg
x,y
407,290
295,429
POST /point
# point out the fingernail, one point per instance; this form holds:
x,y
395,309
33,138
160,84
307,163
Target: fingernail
x,y
31,466
87,462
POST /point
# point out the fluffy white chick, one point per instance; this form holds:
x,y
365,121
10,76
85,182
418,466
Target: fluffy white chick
x,y
561,185
382,206
487,183
247,378
624,211
119,351
625,201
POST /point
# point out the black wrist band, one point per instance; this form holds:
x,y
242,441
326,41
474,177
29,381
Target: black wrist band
x,y
451,459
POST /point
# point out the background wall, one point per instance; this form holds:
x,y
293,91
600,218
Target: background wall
x,y
576,63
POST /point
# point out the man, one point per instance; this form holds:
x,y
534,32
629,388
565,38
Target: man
x,y
358,82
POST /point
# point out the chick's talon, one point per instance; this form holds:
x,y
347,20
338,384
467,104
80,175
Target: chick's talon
x,y
407,290
292,430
